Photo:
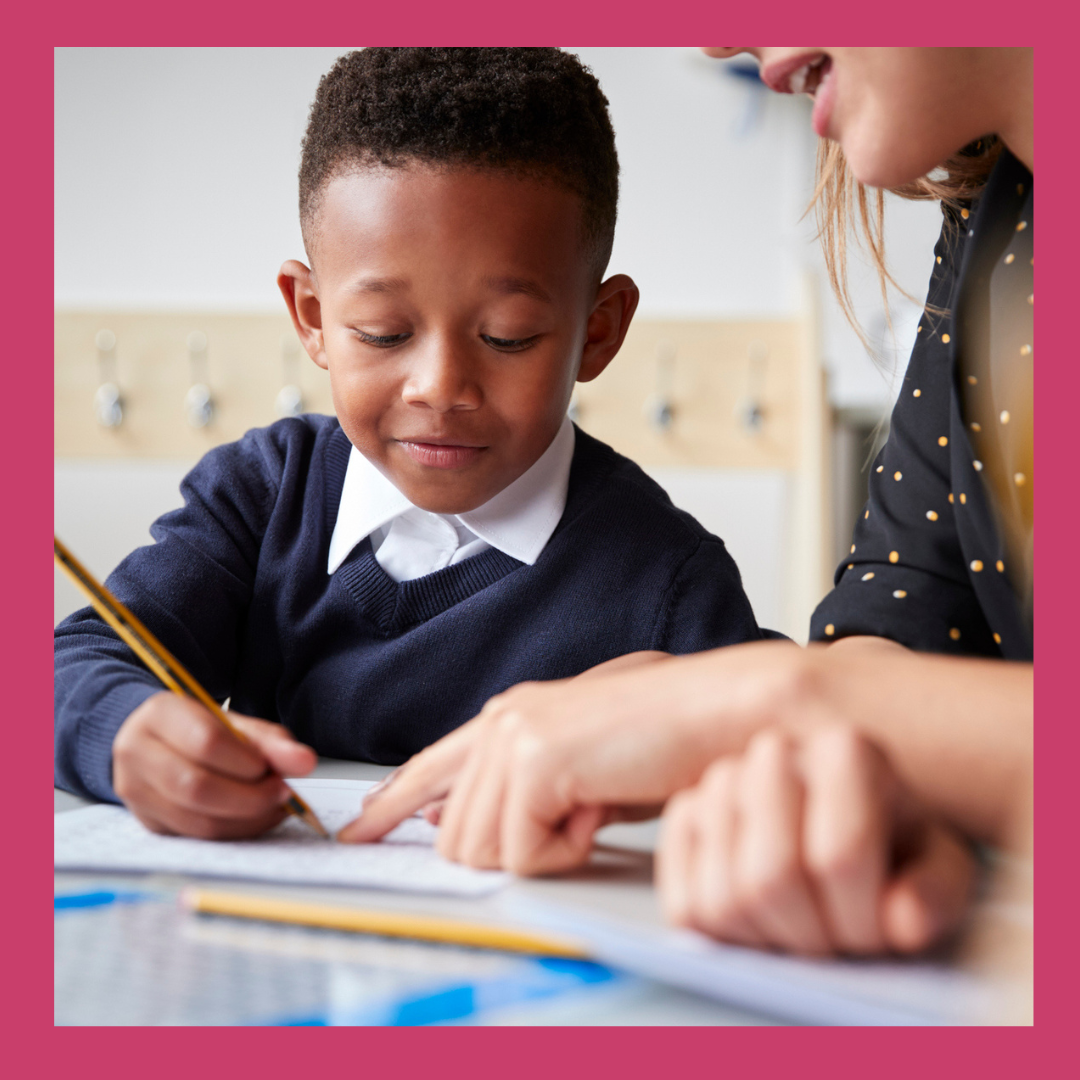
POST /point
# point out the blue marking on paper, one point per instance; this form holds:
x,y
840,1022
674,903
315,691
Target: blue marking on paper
x,y
97,898
534,980
586,971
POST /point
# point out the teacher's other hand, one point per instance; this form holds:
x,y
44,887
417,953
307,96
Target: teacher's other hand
x,y
809,843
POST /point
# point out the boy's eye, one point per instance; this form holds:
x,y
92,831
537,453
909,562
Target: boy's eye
x,y
510,344
381,341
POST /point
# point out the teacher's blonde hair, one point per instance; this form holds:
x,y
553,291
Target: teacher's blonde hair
x,y
842,204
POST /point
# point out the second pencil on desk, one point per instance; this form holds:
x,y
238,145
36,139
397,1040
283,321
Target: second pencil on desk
x,y
383,923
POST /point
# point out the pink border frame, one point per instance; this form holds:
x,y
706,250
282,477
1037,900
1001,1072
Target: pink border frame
x,y
33,1046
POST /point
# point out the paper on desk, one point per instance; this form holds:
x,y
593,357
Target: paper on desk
x,y
110,838
803,991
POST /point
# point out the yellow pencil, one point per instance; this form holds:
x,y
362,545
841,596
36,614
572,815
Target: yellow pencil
x,y
157,658
385,923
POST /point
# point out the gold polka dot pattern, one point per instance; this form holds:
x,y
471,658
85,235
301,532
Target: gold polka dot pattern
x,y
959,401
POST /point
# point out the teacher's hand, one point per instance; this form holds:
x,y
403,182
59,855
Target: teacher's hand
x,y
809,843
528,781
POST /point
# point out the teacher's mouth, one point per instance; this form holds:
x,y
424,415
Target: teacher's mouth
x,y
803,73
441,455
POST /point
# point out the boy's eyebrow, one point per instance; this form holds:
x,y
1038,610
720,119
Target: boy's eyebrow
x,y
507,285
379,285
510,285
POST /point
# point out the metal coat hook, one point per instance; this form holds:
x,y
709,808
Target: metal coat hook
x,y
659,408
290,398
750,412
198,402
108,401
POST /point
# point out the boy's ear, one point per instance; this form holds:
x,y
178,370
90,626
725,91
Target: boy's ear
x,y
297,285
616,301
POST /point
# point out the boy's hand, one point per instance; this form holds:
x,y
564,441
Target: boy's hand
x,y
810,844
179,770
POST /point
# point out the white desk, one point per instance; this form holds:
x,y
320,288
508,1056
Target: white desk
x,y
141,959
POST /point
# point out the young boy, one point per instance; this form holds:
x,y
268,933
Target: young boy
x,y
364,584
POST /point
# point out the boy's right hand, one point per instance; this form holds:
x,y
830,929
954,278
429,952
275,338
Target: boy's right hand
x,y
179,770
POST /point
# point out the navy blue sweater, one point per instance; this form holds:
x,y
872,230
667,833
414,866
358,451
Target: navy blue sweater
x,y
355,664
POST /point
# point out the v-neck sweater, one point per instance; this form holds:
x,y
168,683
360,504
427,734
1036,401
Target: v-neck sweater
x,y
355,664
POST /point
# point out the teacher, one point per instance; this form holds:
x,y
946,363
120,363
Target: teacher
x,y
823,799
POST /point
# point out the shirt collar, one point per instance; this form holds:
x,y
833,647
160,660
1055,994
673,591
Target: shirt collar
x,y
519,520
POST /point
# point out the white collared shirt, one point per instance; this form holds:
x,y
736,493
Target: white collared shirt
x,y
409,542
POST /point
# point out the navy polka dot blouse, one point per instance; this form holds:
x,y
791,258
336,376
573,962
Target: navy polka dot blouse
x,y
942,554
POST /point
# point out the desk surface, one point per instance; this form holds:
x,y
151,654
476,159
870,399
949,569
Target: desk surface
x,y
126,953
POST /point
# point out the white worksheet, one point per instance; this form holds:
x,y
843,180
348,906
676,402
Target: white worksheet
x,y
110,838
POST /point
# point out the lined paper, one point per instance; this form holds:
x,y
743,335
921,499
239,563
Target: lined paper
x,y
109,837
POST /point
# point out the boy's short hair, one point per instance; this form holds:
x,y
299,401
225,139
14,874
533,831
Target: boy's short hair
x,y
536,112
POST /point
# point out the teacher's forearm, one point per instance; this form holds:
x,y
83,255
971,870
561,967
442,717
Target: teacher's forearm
x,y
958,730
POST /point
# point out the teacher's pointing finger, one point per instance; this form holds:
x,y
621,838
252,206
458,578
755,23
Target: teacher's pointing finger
x,y
424,779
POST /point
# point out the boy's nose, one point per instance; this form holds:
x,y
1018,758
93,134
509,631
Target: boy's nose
x,y
443,381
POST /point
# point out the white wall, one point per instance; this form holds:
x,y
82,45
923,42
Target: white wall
x,y
103,510
176,174
176,188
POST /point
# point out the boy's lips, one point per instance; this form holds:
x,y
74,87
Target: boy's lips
x,y
441,455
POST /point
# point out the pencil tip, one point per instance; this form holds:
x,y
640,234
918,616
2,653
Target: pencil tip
x,y
315,823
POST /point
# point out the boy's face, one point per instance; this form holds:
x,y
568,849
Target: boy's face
x,y
454,309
